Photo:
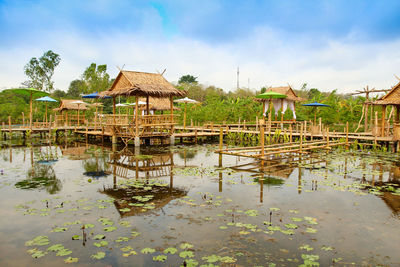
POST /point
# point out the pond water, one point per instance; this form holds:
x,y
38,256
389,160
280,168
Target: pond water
x,y
87,205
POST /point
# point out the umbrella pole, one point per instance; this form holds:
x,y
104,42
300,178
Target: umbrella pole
x,y
184,118
263,108
269,115
46,113
30,114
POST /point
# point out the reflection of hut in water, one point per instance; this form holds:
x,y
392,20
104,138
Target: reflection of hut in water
x,y
281,169
128,165
75,153
157,197
392,201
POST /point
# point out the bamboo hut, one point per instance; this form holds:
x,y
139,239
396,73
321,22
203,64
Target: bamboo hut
x,y
65,116
145,85
284,103
382,128
156,104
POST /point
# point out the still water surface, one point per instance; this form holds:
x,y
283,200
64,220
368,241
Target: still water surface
x,y
168,205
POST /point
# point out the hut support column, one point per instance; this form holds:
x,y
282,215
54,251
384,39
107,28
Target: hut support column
x,y
383,120
114,136
137,139
172,138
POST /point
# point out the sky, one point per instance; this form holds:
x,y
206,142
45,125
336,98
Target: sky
x,y
333,44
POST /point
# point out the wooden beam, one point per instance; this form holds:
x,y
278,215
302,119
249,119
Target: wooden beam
x,y
383,120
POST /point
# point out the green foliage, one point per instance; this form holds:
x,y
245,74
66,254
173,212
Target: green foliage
x,y
40,71
187,79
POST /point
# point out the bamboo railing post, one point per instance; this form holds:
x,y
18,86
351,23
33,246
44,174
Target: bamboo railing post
x,y
102,134
291,133
301,137
221,138
50,126
9,126
137,116
195,135
256,123
172,114
262,137
376,127
239,123
320,125
383,120
327,137
347,134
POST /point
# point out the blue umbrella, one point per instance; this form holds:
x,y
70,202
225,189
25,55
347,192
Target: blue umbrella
x,y
46,99
94,95
315,104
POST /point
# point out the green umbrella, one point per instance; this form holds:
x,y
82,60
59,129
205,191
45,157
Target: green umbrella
x,y
270,95
32,93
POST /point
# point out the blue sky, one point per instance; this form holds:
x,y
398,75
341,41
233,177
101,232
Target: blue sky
x,y
328,44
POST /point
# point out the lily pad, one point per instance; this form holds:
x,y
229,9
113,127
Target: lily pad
x,y
71,260
99,255
148,250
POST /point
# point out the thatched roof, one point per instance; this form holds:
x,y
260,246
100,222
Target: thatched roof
x,y
391,98
133,83
285,90
66,104
157,103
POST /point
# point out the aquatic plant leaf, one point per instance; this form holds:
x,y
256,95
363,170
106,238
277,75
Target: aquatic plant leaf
x,y
185,245
64,252
186,254
311,230
274,209
35,253
59,229
223,227
227,259
38,241
99,255
291,226
71,260
211,259
89,225
190,263
76,237
55,247
125,223
251,213
287,232
102,243
326,248
306,247
148,250
132,252
98,237
170,250
134,234
125,209
110,229
126,249
160,258
122,239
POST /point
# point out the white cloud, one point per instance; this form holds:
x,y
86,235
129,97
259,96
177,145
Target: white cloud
x,y
266,57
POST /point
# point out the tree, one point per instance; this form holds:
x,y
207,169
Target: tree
x,y
76,87
96,78
40,71
187,79
59,93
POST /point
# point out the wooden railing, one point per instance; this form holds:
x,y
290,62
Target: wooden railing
x,y
70,120
143,120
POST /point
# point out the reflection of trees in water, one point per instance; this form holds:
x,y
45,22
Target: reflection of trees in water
x,y
41,176
187,153
96,165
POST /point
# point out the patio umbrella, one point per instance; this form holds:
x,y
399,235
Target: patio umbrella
x,y
46,99
94,95
32,93
270,95
315,104
78,102
185,100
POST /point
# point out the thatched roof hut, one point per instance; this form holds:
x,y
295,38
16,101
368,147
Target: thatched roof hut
x,y
391,98
157,103
67,104
143,84
285,90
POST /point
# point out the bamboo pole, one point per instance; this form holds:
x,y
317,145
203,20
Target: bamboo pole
x,y
262,136
172,113
9,126
366,118
291,133
221,137
383,120
30,114
50,126
320,124
184,117
301,136
327,137
137,116
263,108
23,119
